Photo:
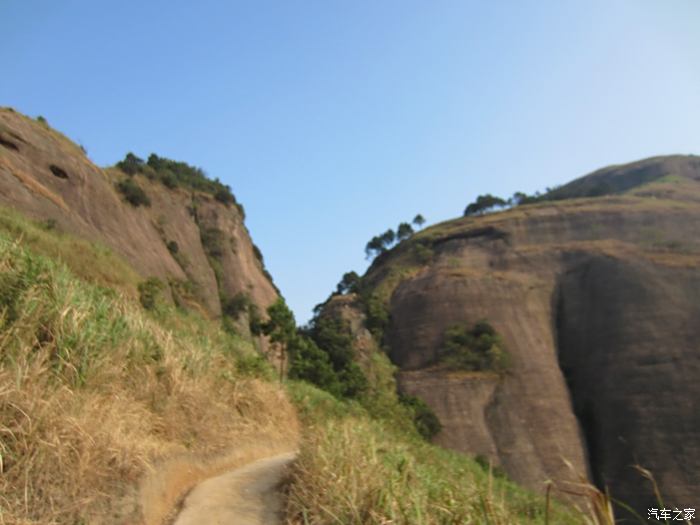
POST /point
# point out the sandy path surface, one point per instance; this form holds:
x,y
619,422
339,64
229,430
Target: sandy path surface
x,y
245,496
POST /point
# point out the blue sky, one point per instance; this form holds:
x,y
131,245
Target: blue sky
x,y
334,120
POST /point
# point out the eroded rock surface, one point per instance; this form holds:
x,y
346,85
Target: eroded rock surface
x,y
47,177
598,303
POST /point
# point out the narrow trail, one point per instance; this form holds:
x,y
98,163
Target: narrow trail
x,y
245,496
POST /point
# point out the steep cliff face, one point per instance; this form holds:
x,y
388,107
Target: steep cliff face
x,y
211,257
597,301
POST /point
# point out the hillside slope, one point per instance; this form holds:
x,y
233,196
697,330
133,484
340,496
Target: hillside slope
x,y
211,257
597,302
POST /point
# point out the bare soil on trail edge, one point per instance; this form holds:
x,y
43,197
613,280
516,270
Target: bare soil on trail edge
x,y
245,496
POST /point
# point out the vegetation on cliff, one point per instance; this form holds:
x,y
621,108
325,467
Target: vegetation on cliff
x,y
383,242
175,174
478,349
133,193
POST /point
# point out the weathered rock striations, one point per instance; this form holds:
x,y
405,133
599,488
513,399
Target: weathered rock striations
x,y
47,177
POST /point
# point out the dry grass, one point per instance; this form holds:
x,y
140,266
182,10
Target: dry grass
x,y
107,415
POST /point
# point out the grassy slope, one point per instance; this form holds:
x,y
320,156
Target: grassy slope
x,y
93,263
356,469
108,413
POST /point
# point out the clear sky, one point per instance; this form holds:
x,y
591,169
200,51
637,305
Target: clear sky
x,y
334,120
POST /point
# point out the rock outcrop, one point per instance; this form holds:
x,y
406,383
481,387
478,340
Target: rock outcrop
x,y
597,300
49,178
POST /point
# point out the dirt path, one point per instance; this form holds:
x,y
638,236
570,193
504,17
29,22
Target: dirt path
x,y
245,496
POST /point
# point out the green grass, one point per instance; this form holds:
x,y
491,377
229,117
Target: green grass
x,y
93,262
355,469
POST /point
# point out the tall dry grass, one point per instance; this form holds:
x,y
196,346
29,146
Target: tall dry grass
x,y
109,415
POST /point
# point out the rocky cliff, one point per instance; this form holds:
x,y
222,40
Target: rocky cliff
x,y
596,296
186,238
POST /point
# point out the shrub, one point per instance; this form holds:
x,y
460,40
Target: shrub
x,y
168,179
133,193
333,337
477,349
213,241
309,363
176,173
223,194
131,165
376,316
236,305
149,290
424,419
173,248
488,466
255,321
353,382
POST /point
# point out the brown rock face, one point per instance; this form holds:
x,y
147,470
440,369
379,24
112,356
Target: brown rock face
x,y
46,176
628,333
598,303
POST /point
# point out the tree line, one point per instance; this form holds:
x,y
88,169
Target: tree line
x,y
381,243
489,203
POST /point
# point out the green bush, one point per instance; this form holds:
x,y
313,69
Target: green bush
x,y
168,179
488,466
173,248
332,335
309,363
131,165
323,355
426,422
213,241
173,174
477,349
223,194
376,316
255,320
237,305
149,290
133,193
